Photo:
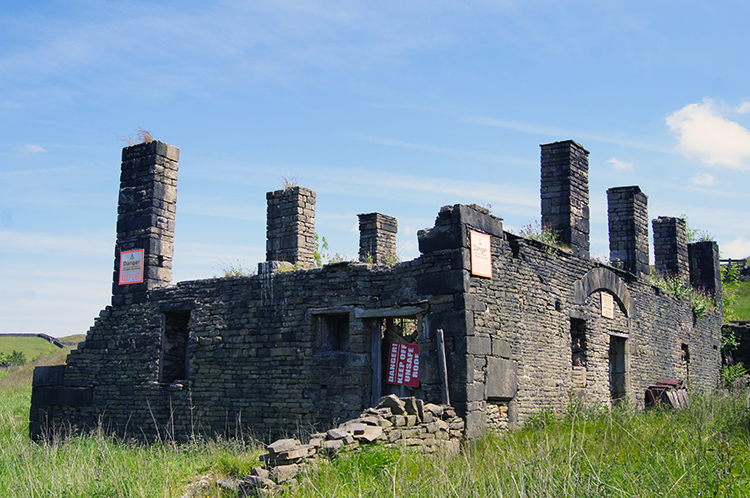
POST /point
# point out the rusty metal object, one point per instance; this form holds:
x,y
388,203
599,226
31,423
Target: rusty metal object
x,y
670,392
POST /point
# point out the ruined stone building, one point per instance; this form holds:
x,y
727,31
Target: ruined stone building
x,y
524,326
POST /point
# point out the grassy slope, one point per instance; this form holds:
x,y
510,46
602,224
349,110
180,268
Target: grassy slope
x,y
740,292
31,347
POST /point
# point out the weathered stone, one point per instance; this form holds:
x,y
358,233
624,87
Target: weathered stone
x,y
284,473
283,445
393,403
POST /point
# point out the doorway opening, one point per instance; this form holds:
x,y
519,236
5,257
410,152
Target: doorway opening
x,y
173,360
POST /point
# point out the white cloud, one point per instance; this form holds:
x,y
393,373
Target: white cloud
x,y
736,249
743,108
703,179
621,165
707,135
32,149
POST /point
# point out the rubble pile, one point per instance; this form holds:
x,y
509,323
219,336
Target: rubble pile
x,y
394,422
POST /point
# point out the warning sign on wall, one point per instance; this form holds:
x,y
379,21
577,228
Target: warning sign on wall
x,y
481,254
403,364
131,267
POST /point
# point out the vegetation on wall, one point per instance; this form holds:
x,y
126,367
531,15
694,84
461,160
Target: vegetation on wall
x,y
701,301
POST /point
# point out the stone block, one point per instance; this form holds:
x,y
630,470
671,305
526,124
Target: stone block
x,y
502,378
448,282
500,347
454,323
283,445
49,376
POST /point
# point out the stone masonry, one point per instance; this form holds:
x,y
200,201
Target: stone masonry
x,y
704,274
377,237
670,247
146,216
291,226
526,326
565,194
628,229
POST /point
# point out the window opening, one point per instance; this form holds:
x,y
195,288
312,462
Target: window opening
x,y
333,332
617,368
577,342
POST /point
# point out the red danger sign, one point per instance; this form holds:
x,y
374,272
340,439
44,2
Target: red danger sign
x,y
403,364
131,267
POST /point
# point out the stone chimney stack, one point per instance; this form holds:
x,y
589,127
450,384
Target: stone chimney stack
x,y
565,194
670,247
377,237
290,226
705,272
628,229
145,221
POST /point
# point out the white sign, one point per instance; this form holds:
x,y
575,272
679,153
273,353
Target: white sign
x,y
481,254
131,267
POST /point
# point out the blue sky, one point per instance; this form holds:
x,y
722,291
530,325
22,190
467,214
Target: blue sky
x,y
389,106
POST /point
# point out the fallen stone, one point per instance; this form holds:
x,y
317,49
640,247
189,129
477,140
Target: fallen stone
x,y
333,444
284,473
228,483
370,434
371,420
435,410
259,472
356,428
393,402
337,433
282,445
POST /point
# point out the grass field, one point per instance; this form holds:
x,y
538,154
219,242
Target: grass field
x,y
740,300
31,347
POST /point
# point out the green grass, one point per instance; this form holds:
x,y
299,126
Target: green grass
x,y
31,347
739,293
701,451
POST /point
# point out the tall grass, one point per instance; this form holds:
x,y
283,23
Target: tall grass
x,y
701,451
